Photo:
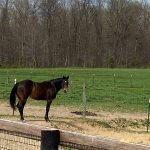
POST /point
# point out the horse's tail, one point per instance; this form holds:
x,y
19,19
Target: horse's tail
x,y
13,97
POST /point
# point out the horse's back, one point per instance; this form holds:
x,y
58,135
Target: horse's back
x,y
26,82
36,90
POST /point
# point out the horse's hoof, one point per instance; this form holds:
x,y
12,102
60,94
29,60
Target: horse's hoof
x,y
47,120
22,120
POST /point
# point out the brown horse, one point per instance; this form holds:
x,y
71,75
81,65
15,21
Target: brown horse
x,y
45,90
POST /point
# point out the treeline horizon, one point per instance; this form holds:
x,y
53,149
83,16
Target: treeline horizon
x,y
76,33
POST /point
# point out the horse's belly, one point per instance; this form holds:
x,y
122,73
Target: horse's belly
x,y
38,96
38,93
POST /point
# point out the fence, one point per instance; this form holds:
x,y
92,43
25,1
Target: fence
x,y
111,90
18,135
15,140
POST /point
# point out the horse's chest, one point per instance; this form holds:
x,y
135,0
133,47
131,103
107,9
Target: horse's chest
x,y
51,94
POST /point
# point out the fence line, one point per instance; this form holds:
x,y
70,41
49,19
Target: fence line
x,y
67,139
15,141
122,89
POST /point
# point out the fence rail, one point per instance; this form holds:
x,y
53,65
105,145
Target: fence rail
x,y
64,138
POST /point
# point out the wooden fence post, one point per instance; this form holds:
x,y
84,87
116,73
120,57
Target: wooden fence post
x,y
15,81
50,139
84,101
148,115
131,77
114,79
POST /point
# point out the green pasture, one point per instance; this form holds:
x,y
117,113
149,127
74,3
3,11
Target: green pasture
x,y
125,90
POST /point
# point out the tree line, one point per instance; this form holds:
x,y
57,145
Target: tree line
x,y
74,33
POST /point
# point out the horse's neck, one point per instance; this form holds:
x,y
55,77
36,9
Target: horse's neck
x,y
57,85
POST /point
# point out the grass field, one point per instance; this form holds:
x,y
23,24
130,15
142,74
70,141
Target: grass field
x,y
124,90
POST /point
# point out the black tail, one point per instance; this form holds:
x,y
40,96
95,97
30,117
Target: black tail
x,y
13,97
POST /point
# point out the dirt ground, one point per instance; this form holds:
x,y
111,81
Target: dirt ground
x,y
129,128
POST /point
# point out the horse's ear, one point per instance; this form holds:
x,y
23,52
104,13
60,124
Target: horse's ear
x,y
65,77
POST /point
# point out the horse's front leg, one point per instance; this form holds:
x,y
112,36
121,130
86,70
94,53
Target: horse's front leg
x,y
47,110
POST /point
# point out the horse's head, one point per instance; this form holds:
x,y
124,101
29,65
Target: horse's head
x,y
65,83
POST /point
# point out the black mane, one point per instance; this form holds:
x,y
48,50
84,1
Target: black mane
x,y
57,82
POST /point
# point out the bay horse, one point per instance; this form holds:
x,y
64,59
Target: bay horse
x,y
46,90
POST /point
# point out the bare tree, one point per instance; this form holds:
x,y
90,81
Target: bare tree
x,y
85,33
5,32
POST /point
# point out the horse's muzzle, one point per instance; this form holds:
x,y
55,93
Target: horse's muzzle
x,y
65,90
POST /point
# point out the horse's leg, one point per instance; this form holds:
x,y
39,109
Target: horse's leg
x,y
20,107
47,110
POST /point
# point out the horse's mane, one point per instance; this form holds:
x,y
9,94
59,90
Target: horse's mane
x,y
57,79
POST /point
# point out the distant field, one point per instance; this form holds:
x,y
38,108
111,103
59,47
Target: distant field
x,y
124,90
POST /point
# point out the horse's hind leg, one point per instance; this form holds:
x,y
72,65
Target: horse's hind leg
x,y
47,110
20,107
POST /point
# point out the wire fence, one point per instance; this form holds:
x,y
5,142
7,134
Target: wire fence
x,y
116,92
23,136
12,140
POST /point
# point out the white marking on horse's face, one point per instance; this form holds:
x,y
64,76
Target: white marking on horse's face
x,y
65,86
65,90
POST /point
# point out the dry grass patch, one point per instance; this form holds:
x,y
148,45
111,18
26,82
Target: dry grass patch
x,y
126,127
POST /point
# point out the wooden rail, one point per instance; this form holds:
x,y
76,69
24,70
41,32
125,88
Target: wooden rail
x,y
71,139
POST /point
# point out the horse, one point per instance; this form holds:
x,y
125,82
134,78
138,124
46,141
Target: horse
x,y
46,90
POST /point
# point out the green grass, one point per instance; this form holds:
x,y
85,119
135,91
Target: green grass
x,y
127,91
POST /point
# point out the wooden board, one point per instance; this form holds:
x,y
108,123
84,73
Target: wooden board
x,y
71,137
